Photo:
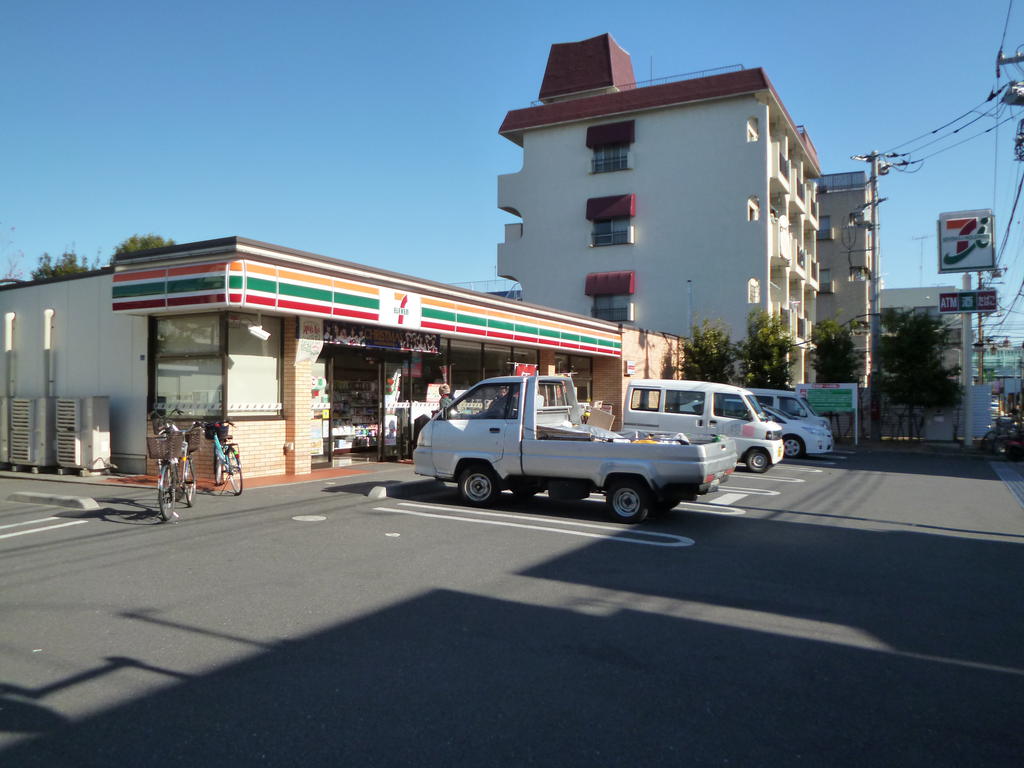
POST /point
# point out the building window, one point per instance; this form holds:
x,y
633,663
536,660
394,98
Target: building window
x,y
580,368
613,157
617,231
753,133
616,308
824,276
189,366
753,208
195,355
254,366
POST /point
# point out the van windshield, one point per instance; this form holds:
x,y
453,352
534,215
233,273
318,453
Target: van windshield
x,y
755,406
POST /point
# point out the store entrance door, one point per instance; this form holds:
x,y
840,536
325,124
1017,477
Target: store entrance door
x,y
369,415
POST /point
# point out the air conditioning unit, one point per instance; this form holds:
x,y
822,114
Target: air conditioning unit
x,y
5,430
83,433
32,431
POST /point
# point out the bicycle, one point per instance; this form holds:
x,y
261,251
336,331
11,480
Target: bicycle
x,y
227,462
172,448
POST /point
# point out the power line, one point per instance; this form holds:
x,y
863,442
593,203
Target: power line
x,y
955,120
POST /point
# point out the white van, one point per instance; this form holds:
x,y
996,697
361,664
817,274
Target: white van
x,y
792,405
705,408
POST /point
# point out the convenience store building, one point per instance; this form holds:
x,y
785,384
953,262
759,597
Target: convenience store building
x,y
316,360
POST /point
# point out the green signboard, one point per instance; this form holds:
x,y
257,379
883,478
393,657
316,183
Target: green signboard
x,y
829,399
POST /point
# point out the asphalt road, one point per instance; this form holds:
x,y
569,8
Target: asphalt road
x,y
859,611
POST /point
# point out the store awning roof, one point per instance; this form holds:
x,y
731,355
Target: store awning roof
x,y
610,283
611,207
611,133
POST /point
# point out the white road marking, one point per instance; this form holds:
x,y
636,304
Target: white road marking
x,y
727,498
775,479
800,468
655,538
40,530
30,522
711,509
755,491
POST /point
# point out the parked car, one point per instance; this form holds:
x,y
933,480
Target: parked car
x,y
702,408
793,407
800,437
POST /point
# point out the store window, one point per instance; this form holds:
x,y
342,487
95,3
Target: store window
x,y
254,366
581,368
189,366
465,359
497,360
195,354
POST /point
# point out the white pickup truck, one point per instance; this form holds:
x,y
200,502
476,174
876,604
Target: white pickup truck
x,y
486,442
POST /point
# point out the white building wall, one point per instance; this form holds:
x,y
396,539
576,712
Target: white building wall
x,y
95,352
692,170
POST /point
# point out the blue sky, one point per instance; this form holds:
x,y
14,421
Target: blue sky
x,y
368,132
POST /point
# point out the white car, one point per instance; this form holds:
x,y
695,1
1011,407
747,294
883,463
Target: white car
x,y
800,437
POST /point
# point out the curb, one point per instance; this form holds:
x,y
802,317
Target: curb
x,y
72,502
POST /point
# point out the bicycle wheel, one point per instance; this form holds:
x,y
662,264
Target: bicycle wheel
x,y
165,492
188,482
234,470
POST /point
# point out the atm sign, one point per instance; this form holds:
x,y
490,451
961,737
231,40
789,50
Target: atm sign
x,y
968,301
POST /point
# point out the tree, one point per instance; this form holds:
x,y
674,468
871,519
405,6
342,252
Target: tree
x,y
142,243
68,264
709,355
10,267
836,360
913,371
764,354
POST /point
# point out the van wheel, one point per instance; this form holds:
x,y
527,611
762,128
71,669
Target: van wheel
x,y
478,485
758,460
793,446
629,501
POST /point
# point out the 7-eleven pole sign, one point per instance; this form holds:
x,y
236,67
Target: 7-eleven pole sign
x,y
966,241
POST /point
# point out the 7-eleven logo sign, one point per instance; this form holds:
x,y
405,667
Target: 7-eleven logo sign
x,y
404,309
966,241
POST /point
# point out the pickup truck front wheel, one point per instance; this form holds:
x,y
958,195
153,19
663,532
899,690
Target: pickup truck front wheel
x,y
629,501
478,486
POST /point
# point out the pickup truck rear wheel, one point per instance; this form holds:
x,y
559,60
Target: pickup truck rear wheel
x,y
758,460
629,501
478,485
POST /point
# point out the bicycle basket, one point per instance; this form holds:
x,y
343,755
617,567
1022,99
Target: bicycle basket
x,y
220,429
165,446
194,436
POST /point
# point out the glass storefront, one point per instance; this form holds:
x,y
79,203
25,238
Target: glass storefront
x,y
199,358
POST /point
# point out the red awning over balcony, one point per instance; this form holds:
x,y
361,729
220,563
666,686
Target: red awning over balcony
x,y
611,207
611,133
610,283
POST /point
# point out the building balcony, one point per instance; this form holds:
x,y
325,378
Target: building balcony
x,y
513,232
780,170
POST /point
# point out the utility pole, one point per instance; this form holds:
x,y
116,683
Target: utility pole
x,y
878,168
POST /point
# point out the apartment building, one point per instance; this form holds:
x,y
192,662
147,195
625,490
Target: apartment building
x,y
661,204
844,256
